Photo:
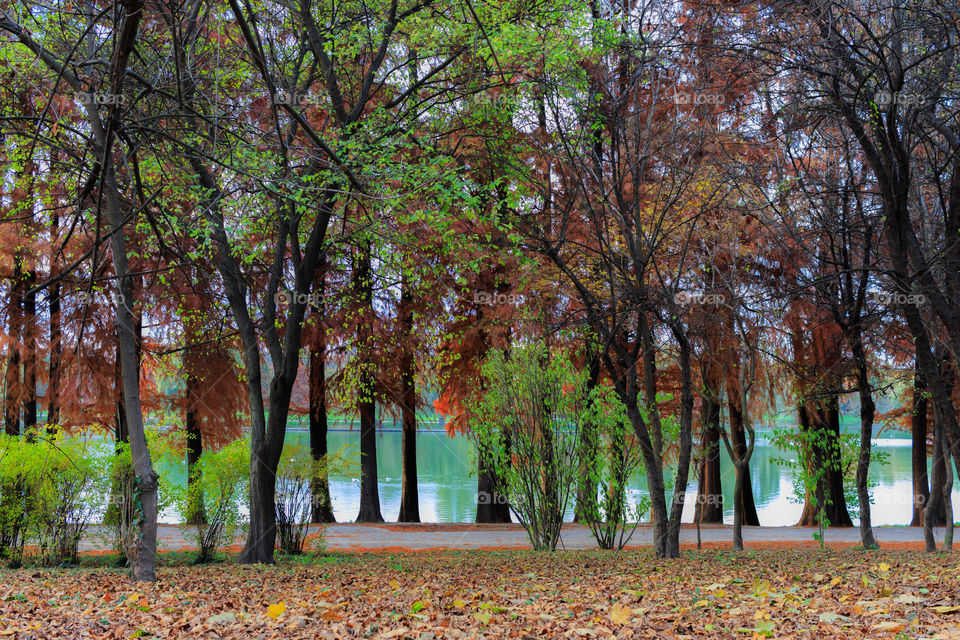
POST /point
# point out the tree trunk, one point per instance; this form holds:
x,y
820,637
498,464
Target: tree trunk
x,y
742,499
685,442
947,491
56,357
653,465
918,451
196,513
321,505
741,472
935,503
822,422
409,495
501,505
710,492
867,412
30,352
12,379
369,488
144,560
489,499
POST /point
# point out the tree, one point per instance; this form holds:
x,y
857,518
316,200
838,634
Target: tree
x,y
108,198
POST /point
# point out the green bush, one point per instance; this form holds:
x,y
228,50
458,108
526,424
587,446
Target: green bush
x,y
296,475
608,459
50,486
293,497
222,489
526,421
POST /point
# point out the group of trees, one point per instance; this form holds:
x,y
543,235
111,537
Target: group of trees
x,y
240,211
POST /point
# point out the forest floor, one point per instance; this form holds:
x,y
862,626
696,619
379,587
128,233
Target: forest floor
x,y
435,537
845,593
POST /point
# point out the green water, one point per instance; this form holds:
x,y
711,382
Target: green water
x,y
448,484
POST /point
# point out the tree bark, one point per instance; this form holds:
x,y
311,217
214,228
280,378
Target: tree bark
x,y
12,378
321,505
710,491
196,512
144,561
867,412
653,466
369,488
742,499
686,443
821,421
56,357
492,506
30,352
409,498
918,450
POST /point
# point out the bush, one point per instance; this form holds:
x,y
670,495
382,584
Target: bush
x,y
609,459
296,474
526,420
222,489
293,497
51,486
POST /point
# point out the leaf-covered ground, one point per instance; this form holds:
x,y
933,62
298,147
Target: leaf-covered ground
x,y
510,594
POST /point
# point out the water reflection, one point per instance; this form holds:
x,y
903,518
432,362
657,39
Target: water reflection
x,y
448,483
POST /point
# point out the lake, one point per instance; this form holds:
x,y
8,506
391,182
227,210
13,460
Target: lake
x,y
448,482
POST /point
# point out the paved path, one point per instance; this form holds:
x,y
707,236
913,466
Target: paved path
x,y
419,537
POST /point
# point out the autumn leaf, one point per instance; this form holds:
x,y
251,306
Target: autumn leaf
x,y
276,610
620,614
946,608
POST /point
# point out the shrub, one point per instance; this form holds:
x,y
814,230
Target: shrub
x,y
609,459
51,485
293,497
13,502
222,489
296,475
526,420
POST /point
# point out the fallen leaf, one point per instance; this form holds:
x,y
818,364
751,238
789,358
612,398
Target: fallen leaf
x,y
946,608
620,614
832,618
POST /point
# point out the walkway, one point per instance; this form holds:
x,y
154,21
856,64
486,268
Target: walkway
x,y
421,537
